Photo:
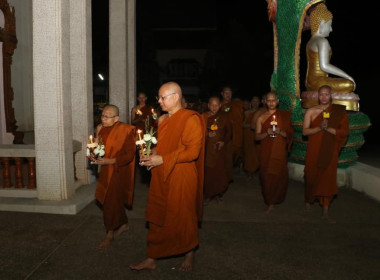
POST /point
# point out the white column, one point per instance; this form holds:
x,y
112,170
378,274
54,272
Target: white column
x,y
52,99
122,65
81,82
131,56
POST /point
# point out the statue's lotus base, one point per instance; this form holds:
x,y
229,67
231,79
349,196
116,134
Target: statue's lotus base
x,y
350,100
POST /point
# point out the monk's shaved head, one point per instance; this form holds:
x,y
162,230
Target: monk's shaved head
x,y
173,87
113,108
170,97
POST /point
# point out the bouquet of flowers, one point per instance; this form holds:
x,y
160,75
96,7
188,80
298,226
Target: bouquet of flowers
x,y
148,139
95,150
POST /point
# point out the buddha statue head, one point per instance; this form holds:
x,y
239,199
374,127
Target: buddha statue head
x,y
319,13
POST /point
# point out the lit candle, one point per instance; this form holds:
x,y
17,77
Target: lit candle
x,y
139,132
274,122
91,139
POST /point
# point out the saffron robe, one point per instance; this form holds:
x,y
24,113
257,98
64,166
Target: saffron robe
x,y
250,155
321,161
175,197
274,175
235,112
216,179
116,181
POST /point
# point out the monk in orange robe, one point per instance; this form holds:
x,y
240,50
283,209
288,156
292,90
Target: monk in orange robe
x,y
218,134
327,128
175,198
251,160
116,179
274,130
234,109
142,112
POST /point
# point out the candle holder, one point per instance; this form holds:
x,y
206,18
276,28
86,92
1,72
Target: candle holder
x,y
273,123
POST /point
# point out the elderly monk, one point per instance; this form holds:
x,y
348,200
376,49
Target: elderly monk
x,y
141,112
218,135
235,111
274,130
174,205
326,126
116,179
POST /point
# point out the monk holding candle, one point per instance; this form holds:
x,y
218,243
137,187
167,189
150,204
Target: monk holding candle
x,y
116,179
218,136
141,112
174,205
274,130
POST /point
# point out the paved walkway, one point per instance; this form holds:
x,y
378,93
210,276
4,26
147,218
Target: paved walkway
x,y
237,241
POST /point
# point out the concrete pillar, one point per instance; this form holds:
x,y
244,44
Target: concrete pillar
x,y
122,55
52,99
81,83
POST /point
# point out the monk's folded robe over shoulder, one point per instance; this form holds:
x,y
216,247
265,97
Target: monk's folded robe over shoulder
x,y
175,197
216,178
274,175
116,181
321,160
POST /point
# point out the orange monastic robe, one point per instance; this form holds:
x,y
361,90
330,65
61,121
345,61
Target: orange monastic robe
x,y
235,111
216,179
273,159
175,197
250,155
116,182
320,178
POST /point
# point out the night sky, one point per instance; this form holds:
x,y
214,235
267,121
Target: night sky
x,y
242,33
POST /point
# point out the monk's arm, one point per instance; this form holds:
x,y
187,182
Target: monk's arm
x,y
259,134
306,129
133,115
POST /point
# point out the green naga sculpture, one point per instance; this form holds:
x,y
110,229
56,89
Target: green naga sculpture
x,y
290,19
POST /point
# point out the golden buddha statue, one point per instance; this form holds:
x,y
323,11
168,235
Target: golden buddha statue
x,y
318,53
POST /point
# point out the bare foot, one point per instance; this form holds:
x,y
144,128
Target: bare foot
x,y
187,264
105,243
269,209
121,229
307,206
325,215
148,263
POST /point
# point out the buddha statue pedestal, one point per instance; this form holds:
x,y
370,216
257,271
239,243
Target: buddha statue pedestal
x,y
350,100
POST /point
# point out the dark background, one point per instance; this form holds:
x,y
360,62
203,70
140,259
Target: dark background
x,y
239,40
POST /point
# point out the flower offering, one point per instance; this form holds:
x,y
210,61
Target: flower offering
x,y
214,126
95,150
326,114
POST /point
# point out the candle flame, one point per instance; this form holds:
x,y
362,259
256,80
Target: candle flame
x,y
91,139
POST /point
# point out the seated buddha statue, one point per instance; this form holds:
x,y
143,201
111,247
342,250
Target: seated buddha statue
x,y
319,68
